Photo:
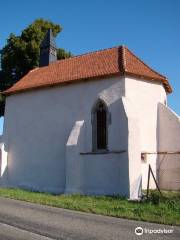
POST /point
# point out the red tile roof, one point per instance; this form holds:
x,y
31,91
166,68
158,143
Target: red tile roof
x,y
103,63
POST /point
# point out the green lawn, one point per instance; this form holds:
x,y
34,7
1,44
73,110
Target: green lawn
x,y
164,210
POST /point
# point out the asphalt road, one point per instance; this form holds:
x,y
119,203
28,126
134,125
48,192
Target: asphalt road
x,y
23,221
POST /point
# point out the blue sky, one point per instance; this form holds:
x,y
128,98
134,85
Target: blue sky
x,y
151,29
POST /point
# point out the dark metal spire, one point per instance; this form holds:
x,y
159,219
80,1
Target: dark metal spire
x,y
48,49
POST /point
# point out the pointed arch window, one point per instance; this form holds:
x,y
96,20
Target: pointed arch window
x,y
100,118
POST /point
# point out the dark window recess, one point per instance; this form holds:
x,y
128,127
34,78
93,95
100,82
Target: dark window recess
x,y
101,119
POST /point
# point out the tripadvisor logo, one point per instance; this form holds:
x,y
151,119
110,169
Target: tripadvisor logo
x,y
139,231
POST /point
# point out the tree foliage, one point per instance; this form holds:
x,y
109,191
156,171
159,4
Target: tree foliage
x,y
21,53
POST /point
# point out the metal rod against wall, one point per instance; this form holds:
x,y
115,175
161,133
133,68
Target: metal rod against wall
x,y
155,179
147,194
151,172
178,152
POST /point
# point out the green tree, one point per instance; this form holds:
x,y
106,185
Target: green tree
x,y
21,53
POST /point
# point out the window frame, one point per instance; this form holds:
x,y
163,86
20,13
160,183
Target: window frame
x,y
94,125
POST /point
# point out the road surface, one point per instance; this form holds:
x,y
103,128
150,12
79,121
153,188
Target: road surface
x,y
25,221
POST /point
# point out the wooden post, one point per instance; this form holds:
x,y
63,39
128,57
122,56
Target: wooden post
x,y
155,180
151,172
147,194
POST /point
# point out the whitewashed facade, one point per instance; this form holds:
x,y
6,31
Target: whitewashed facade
x,y
48,137
82,125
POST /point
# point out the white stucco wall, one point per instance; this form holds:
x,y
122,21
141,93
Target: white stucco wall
x,y
168,141
37,127
134,149
146,95
106,173
48,137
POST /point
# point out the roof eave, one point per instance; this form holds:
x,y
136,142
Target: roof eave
x,y
49,85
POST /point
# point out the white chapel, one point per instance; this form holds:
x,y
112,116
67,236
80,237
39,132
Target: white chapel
x,y
89,124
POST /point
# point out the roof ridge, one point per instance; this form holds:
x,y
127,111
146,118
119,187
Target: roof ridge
x,y
124,58
145,64
76,56
87,53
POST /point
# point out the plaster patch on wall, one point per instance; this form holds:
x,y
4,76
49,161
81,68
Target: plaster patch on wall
x,y
74,135
136,188
3,160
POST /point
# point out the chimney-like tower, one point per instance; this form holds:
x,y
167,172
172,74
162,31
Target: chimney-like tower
x,y
48,49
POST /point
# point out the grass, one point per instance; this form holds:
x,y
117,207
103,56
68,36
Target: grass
x,y
165,210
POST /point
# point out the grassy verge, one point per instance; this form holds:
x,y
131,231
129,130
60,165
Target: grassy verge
x,y
164,210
